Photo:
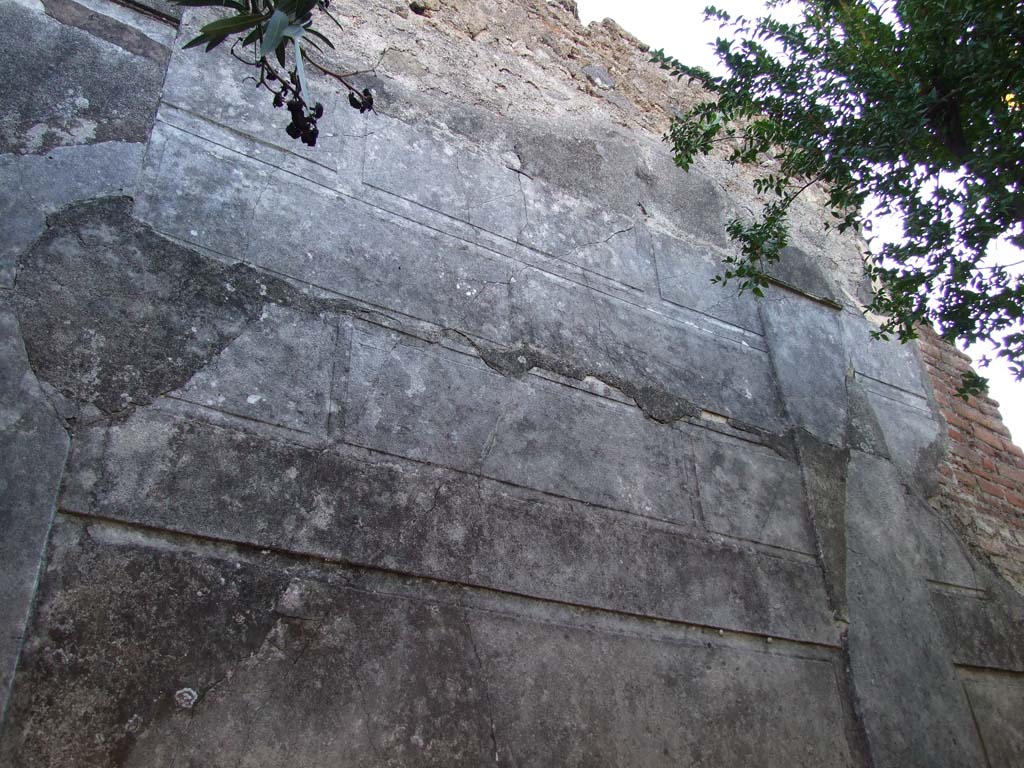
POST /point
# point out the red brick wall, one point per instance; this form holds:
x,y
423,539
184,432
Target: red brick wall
x,y
982,476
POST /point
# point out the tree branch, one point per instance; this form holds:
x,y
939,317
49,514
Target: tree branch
x,y
341,76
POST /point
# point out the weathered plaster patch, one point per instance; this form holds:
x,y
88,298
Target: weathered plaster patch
x,y
70,86
114,315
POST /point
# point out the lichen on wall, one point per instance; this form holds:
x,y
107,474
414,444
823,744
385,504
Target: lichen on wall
x,y
434,445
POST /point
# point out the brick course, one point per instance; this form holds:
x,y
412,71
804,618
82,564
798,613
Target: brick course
x,y
981,479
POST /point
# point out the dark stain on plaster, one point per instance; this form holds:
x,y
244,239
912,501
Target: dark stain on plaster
x,y
102,26
824,467
114,315
656,404
75,88
863,432
119,630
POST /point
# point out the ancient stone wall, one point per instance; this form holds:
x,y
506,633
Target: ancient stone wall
x,y
433,445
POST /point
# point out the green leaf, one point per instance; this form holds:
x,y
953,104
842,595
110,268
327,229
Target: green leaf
x,y
300,68
315,33
214,42
253,36
274,32
232,24
971,384
196,41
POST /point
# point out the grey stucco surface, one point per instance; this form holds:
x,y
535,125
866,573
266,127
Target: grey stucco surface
x,y
33,447
435,446
72,87
998,698
34,186
808,363
902,669
408,671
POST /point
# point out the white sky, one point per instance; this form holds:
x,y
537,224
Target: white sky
x,y
678,26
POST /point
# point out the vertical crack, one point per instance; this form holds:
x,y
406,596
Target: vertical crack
x,y
977,725
525,225
485,683
856,725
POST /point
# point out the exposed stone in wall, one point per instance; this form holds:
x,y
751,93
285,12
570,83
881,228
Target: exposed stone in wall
x,y
435,446
982,475
72,88
534,64
77,103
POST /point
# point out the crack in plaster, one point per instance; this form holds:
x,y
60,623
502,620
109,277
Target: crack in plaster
x,y
485,681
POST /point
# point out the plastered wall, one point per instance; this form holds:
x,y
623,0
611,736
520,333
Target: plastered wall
x,y
434,445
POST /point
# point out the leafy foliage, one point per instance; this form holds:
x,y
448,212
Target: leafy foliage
x,y
269,28
913,106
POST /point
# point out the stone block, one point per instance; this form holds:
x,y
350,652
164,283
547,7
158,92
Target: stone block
x,y
634,348
685,271
583,697
445,175
33,448
315,665
799,270
585,159
823,469
692,201
890,361
174,473
125,635
245,209
71,87
749,492
913,706
914,437
34,186
580,232
806,345
390,262
162,7
279,370
997,701
626,174
214,87
944,553
200,192
449,409
980,631
120,24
